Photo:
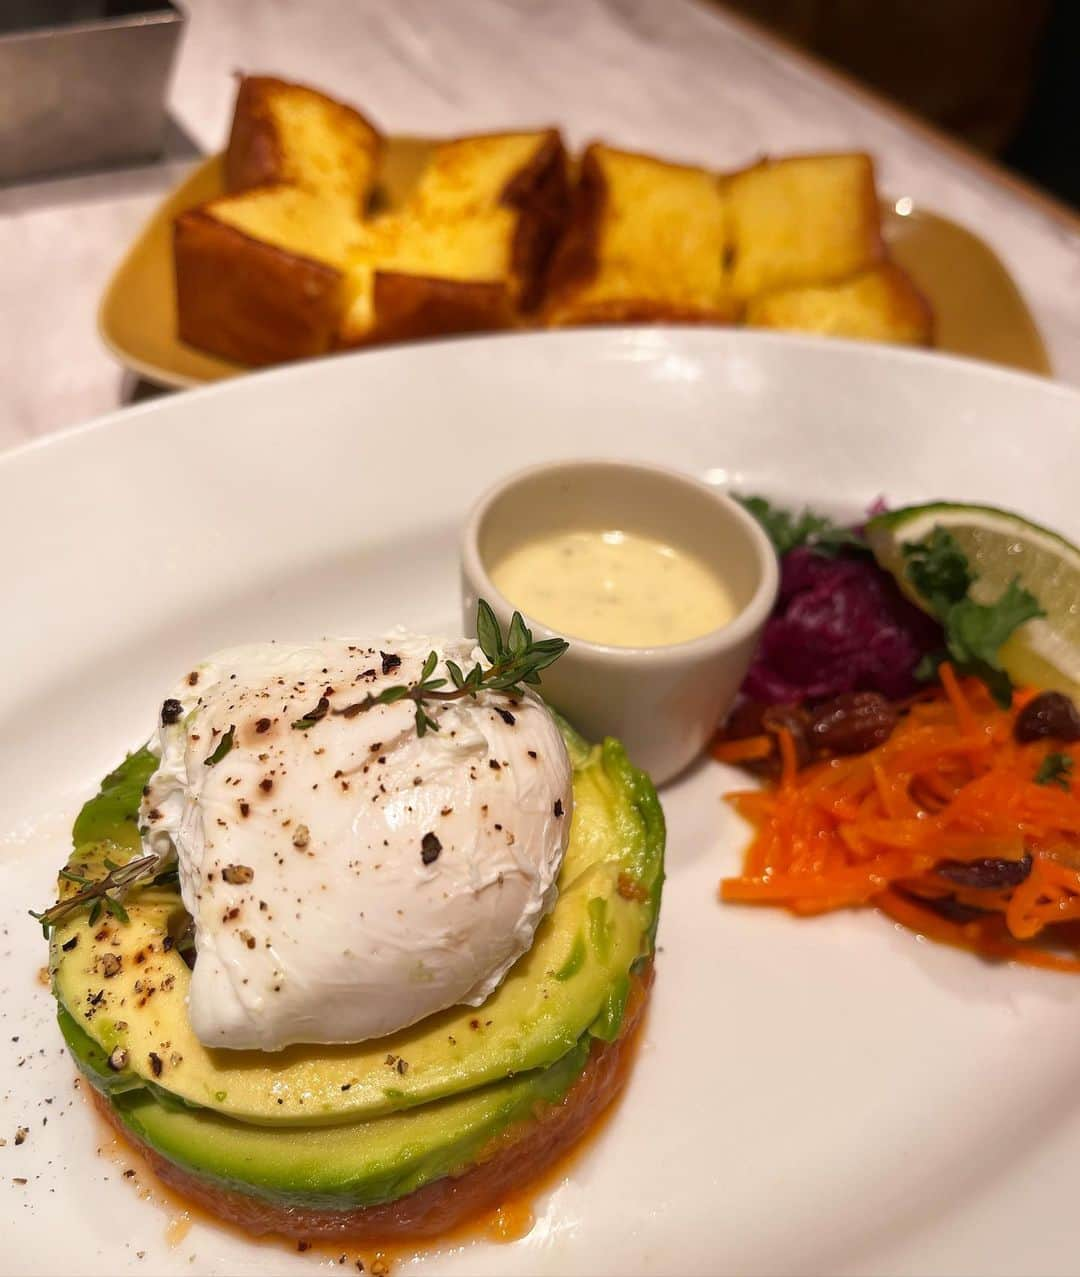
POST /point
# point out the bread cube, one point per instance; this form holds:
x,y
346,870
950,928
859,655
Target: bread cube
x,y
469,250
286,133
647,242
258,275
810,219
881,304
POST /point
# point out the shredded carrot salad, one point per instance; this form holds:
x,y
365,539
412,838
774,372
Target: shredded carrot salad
x,y
910,824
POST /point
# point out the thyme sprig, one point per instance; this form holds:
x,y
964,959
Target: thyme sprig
x,y
106,895
516,661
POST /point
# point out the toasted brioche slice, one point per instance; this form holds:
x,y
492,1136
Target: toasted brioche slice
x,y
469,250
286,133
647,241
258,276
292,219
513,186
810,219
881,304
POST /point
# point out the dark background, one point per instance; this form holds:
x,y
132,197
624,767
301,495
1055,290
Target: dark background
x,y
1002,76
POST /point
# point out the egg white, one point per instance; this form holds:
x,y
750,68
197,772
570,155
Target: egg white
x,y
348,879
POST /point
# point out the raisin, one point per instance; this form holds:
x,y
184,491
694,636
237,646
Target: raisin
x,y
796,721
852,723
988,873
755,718
1051,715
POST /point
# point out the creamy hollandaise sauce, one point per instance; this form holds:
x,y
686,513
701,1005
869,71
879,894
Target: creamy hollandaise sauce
x,y
615,587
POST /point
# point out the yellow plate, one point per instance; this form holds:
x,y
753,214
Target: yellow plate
x,y
977,307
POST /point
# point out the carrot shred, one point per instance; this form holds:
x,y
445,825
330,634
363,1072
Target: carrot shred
x,y
950,786
747,750
965,719
789,761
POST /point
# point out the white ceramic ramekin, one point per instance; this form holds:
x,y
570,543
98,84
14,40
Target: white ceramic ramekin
x,y
663,703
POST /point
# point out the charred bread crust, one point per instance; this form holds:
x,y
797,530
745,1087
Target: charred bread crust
x,y
254,155
407,307
247,300
509,1163
540,195
576,258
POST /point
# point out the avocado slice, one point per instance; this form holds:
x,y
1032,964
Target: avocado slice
x,y
573,981
358,1164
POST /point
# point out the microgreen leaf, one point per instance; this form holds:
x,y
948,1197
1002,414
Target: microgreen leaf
x,y
787,531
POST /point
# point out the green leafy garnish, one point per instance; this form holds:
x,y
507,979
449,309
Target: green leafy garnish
x,y
515,660
1055,769
788,531
974,632
312,716
223,747
938,569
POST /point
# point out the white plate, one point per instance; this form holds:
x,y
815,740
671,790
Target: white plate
x,y
829,1096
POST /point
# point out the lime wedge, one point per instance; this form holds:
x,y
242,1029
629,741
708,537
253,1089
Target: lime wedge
x,y
1000,546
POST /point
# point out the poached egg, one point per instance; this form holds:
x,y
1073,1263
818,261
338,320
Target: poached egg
x,y
346,876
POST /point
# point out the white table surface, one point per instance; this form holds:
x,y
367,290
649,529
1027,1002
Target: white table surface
x,y
663,75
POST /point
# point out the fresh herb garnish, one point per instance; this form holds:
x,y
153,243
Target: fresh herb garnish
x,y
1055,769
516,659
223,747
788,531
313,715
938,569
105,895
974,632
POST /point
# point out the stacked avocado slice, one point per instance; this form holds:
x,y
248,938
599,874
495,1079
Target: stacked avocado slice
x,y
342,1127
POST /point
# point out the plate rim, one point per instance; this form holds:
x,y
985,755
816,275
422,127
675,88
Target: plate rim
x,y
625,334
